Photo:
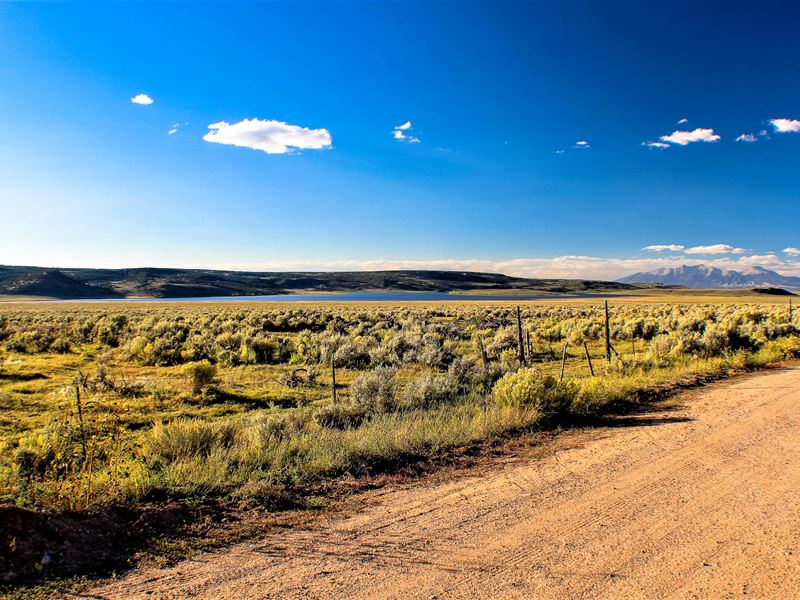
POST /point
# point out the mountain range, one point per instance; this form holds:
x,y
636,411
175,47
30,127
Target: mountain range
x,y
704,276
69,283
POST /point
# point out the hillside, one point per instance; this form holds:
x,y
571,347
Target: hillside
x,y
195,283
703,276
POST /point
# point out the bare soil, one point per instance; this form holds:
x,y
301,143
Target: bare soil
x,y
699,498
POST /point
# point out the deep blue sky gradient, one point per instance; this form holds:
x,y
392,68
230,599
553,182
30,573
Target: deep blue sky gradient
x,y
493,90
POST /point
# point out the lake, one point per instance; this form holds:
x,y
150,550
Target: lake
x,y
353,297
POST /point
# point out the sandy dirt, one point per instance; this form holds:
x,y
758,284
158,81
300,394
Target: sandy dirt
x,y
698,499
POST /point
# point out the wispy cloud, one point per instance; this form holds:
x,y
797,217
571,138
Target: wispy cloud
x,y
582,144
399,133
142,99
272,137
174,129
664,247
660,145
715,249
683,120
791,251
682,138
747,137
786,125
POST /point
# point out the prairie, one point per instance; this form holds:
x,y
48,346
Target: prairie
x,y
129,403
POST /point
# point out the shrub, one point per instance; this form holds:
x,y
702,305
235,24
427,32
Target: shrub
x,y
464,373
341,416
201,375
351,356
430,389
375,391
371,393
788,347
531,388
187,439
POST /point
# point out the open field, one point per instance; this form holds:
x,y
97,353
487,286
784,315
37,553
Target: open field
x,y
196,403
696,497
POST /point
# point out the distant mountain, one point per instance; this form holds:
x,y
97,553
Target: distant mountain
x,y
50,282
196,283
703,276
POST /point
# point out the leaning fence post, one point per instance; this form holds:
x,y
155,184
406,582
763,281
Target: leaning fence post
x,y
563,360
520,343
588,359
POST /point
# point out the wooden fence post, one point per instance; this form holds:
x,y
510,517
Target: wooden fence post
x,y
588,359
520,342
80,419
563,360
333,376
608,334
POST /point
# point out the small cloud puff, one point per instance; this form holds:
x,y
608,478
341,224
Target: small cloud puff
x,y
682,138
272,137
747,137
663,247
142,99
786,125
791,251
174,129
582,144
683,120
398,133
661,145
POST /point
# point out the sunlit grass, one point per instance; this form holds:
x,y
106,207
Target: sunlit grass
x,y
142,432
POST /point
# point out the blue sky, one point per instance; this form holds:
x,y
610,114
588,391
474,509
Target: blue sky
x,y
312,171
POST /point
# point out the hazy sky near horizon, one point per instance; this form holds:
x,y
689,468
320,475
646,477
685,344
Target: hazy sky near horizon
x,y
585,139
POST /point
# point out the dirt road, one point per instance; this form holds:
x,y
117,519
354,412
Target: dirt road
x,y
700,500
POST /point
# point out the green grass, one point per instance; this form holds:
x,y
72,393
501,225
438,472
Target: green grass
x,y
147,436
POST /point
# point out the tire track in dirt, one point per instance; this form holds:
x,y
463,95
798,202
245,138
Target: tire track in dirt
x,y
695,500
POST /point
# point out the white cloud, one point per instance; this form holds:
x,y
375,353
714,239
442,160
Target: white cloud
x,y
715,249
560,151
747,137
272,137
663,247
142,99
786,125
683,120
398,133
174,129
683,138
582,144
791,251
661,145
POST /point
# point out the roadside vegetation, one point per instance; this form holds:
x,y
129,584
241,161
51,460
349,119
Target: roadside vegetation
x,y
104,403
